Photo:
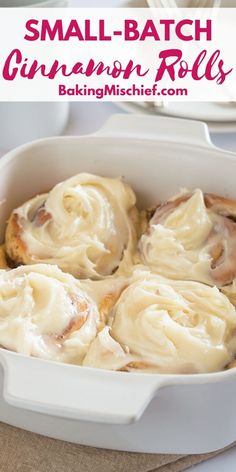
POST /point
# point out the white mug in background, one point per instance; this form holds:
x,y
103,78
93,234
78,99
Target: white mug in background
x,y
25,121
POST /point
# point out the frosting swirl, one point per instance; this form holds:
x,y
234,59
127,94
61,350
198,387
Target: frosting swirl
x,y
192,237
45,313
85,225
168,327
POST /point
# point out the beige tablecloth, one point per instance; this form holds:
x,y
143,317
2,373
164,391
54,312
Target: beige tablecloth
x,y
21,451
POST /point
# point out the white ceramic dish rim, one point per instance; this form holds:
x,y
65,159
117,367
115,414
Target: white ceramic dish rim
x,y
141,387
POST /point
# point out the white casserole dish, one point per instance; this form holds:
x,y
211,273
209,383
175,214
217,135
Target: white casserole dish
x,y
181,414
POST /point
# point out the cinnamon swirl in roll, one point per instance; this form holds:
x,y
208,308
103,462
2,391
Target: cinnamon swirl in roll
x,y
85,225
168,327
192,237
45,313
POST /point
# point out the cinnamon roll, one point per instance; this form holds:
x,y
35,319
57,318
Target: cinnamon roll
x,y
232,365
168,327
85,225
192,237
45,313
3,259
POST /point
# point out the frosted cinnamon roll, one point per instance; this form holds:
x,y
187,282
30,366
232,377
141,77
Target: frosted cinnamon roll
x,y
192,237
45,313
85,225
168,327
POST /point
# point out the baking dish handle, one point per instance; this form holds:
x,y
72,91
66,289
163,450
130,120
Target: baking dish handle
x,y
157,128
75,392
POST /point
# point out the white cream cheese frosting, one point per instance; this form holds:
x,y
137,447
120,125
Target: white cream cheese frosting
x,y
85,225
165,315
106,353
190,241
167,326
45,313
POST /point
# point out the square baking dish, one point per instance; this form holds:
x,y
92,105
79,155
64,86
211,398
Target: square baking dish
x,y
153,413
